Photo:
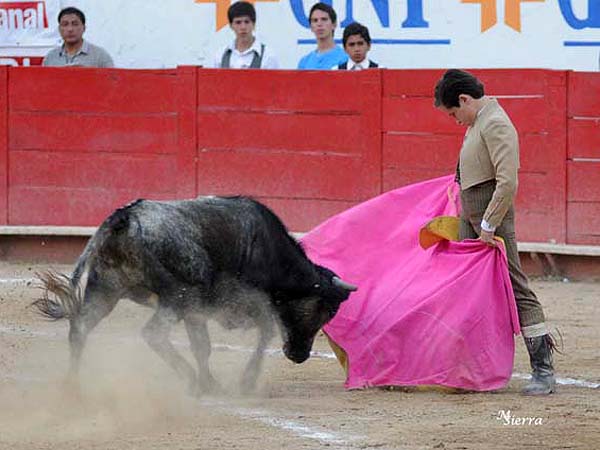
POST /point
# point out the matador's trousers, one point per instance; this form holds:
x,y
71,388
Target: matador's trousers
x,y
474,202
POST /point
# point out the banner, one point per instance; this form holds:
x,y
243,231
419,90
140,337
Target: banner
x,y
28,23
28,30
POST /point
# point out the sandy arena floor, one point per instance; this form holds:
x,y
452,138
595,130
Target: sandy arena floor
x,y
131,400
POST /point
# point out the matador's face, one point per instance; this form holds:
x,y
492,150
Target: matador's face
x,y
466,111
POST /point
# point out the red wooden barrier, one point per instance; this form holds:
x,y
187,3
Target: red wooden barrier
x,y
306,144
76,143
3,145
421,143
418,141
186,100
83,141
583,226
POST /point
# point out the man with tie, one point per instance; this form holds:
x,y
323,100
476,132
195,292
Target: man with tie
x,y
357,43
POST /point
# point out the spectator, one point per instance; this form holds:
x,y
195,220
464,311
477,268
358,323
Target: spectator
x,y
357,43
76,51
245,52
323,21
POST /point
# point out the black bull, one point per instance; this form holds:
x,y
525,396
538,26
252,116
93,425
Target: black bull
x,y
230,259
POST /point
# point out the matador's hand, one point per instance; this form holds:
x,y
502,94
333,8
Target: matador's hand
x,y
488,238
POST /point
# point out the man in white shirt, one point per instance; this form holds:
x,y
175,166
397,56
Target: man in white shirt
x,y
357,43
245,52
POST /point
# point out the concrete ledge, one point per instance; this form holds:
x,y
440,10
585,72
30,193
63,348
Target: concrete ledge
x,y
524,247
559,249
56,244
26,230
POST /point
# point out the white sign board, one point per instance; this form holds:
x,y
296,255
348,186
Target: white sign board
x,y
551,34
27,30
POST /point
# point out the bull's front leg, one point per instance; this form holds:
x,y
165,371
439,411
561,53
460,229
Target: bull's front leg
x,y
195,325
252,370
156,333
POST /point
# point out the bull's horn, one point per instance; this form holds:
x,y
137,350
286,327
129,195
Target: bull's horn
x,y
341,283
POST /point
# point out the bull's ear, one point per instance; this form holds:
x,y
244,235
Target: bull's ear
x,y
344,285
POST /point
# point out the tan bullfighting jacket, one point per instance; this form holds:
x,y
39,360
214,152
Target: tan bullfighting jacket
x,y
491,151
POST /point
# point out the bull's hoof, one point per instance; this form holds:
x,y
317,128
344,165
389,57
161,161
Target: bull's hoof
x,y
211,387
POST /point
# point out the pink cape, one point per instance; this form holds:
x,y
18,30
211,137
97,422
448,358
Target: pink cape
x,y
441,316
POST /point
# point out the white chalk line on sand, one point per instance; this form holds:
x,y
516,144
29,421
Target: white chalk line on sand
x,y
277,353
327,355
563,381
18,281
298,428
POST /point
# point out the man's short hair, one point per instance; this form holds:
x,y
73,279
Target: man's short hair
x,y
454,83
241,9
323,7
356,28
72,10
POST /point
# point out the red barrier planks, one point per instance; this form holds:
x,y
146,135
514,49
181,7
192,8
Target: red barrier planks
x,y
584,115
540,213
249,131
583,94
538,154
583,225
52,188
292,175
100,90
67,207
497,82
410,83
404,162
103,171
529,115
541,201
302,215
583,184
298,135
91,132
584,181
288,90
584,137
420,142
77,143
418,115
3,145
187,101
103,136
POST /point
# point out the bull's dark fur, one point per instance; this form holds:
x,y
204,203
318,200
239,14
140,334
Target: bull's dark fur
x,y
227,258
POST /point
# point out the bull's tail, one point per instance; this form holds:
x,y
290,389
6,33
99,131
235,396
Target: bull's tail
x,y
61,299
63,295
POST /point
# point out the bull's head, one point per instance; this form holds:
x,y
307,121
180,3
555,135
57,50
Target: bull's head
x,y
303,317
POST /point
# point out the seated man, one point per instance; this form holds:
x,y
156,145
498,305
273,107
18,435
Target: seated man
x,y
323,21
357,43
245,52
75,51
